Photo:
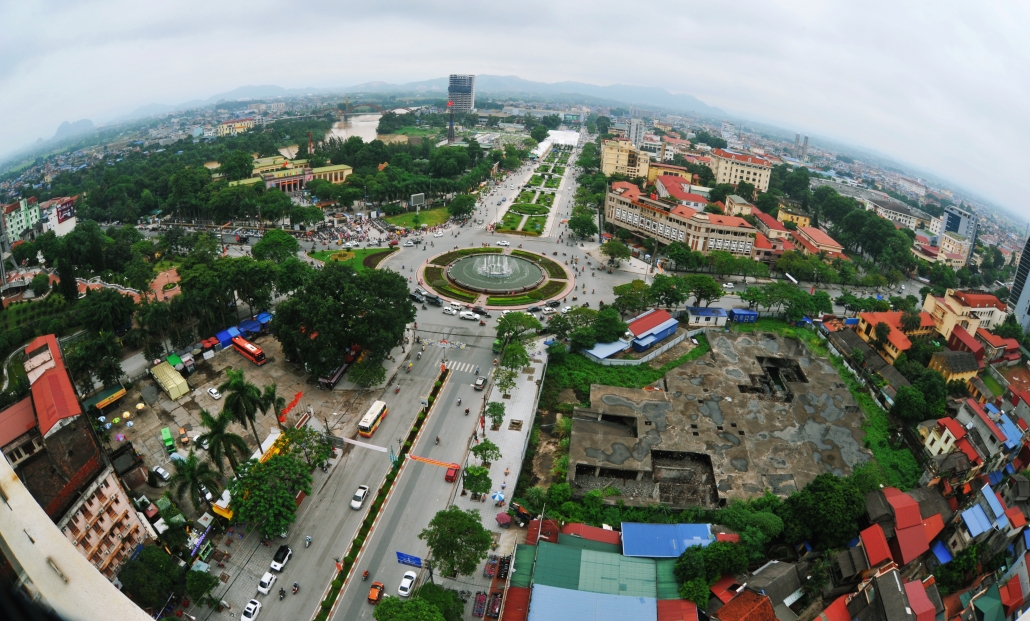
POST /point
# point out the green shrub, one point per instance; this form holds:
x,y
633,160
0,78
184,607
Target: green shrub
x,y
337,584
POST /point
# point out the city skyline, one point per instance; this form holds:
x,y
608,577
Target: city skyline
x,y
893,80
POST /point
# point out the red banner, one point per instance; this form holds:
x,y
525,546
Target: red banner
x,y
290,406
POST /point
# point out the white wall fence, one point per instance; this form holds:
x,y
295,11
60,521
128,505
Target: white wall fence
x,y
628,362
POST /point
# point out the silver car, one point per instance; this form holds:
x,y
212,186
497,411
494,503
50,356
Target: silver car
x,y
359,497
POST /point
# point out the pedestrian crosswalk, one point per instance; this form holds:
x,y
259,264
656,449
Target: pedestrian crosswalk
x,y
466,367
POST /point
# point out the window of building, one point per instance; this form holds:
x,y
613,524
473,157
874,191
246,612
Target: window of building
x,y
96,528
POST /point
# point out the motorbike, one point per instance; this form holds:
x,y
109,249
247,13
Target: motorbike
x,y
396,389
424,307
282,594
307,541
364,575
419,356
466,411
459,400
296,587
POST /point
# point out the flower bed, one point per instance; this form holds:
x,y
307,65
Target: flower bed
x,y
447,257
554,270
550,289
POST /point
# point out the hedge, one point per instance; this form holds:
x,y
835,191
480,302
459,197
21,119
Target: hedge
x,y
552,288
554,270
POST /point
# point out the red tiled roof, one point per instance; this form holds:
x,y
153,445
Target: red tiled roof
x,y
992,339
629,190
1011,595
673,184
967,339
819,237
1016,517
592,533
893,319
683,210
769,221
740,157
53,395
729,537
725,588
933,526
906,511
909,543
978,300
747,606
675,610
728,221
922,240
762,242
953,426
875,544
16,421
918,601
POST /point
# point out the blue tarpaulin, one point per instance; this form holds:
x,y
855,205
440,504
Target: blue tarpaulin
x,y
554,604
264,317
233,331
249,326
663,540
942,553
224,338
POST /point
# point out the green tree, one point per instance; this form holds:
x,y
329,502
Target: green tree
x,y
486,450
457,540
105,310
276,246
504,379
152,577
67,285
615,250
583,338
447,601
826,512
242,400
632,297
910,321
514,357
668,291
538,133
139,274
265,493
222,444
272,400
368,372
235,165
882,332
934,389
495,412
608,327
199,584
188,478
583,225
462,206
703,288
516,327
40,284
414,609
909,405
308,443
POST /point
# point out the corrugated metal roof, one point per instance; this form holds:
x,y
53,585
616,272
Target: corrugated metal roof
x,y
557,566
522,565
647,322
677,610
663,540
592,532
603,572
976,521
554,604
587,544
875,544
516,604
910,543
667,586
919,602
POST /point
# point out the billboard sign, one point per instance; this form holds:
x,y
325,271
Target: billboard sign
x,y
65,211
418,200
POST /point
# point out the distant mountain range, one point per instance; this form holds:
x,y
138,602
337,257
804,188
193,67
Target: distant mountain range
x,y
68,130
485,84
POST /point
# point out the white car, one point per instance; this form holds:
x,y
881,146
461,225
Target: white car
x,y
438,234
547,310
408,244
407,582
359,497
468,315
251,611
727,285
214,393
566,310
503,243
447,310
266,582
162,473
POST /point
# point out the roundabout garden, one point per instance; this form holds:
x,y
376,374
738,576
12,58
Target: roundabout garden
x,y
516,279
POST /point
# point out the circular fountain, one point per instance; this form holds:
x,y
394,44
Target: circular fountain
x,y
495,273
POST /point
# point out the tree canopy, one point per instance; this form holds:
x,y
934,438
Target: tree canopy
x,y
265,493
457,540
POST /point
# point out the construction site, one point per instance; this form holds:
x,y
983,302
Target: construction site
x,y
757,412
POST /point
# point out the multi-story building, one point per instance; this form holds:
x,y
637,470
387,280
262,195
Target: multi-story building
x,y
620,156
461,92
659,169
19,217
1019,294
235,126
768,250
738,206
678,189
770,226
635,132
50,444
898,340
667,222
968,309
960,221
896,211
58,215
734,167
812,241
954,365
956,244
791,211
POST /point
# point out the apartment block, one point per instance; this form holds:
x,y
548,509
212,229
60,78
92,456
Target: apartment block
x,y
235,126
770,226
896,211
791,211
898,340
620,156
734,167
812,241
461,92
738,206
968,309
20,216
667,222
679,189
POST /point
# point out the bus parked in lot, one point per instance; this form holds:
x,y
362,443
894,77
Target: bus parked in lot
x,y
249,350
372,418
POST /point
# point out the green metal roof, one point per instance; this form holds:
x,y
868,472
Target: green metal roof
x,y
989,605
557,566
522,566
587,544
667,586
604,572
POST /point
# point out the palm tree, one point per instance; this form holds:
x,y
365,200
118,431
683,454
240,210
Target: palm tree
x,y
189,476
910,321
271,399
242,399
222,444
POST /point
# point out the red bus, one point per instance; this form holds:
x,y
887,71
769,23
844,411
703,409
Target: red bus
x,y
249,350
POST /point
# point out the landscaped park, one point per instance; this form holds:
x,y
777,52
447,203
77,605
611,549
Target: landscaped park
x,y
517,279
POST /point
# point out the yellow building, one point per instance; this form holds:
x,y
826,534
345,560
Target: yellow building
x,y
733,167
897,339
656,169
265,164
970,310
738,206
954,365
620,156
332,174
790,212
235,126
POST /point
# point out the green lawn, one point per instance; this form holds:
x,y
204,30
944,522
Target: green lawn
x,y
545,199
993,385
166,264
558,170
510,221
526,196
529,209
429,217
356,262
418,131
535,224
553,182
536,180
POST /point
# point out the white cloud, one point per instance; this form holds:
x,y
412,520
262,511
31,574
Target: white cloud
x,y
938,84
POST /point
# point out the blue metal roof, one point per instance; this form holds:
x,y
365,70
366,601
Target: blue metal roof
x,y
1012,433
665,325
224,337
553,604
992,501
663,540
990,408
603,350
744,311
1026,537
704,311
249,325
976,521
941,552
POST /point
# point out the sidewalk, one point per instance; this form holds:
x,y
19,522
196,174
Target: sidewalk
x,y
512,439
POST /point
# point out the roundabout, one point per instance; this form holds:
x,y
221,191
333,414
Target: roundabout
x,y
505,280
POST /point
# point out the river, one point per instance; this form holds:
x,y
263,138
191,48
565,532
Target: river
x,y
361,125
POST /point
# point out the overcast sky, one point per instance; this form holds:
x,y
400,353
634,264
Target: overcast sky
x,y
941,85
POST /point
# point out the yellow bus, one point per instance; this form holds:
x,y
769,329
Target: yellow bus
x,y
372,418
